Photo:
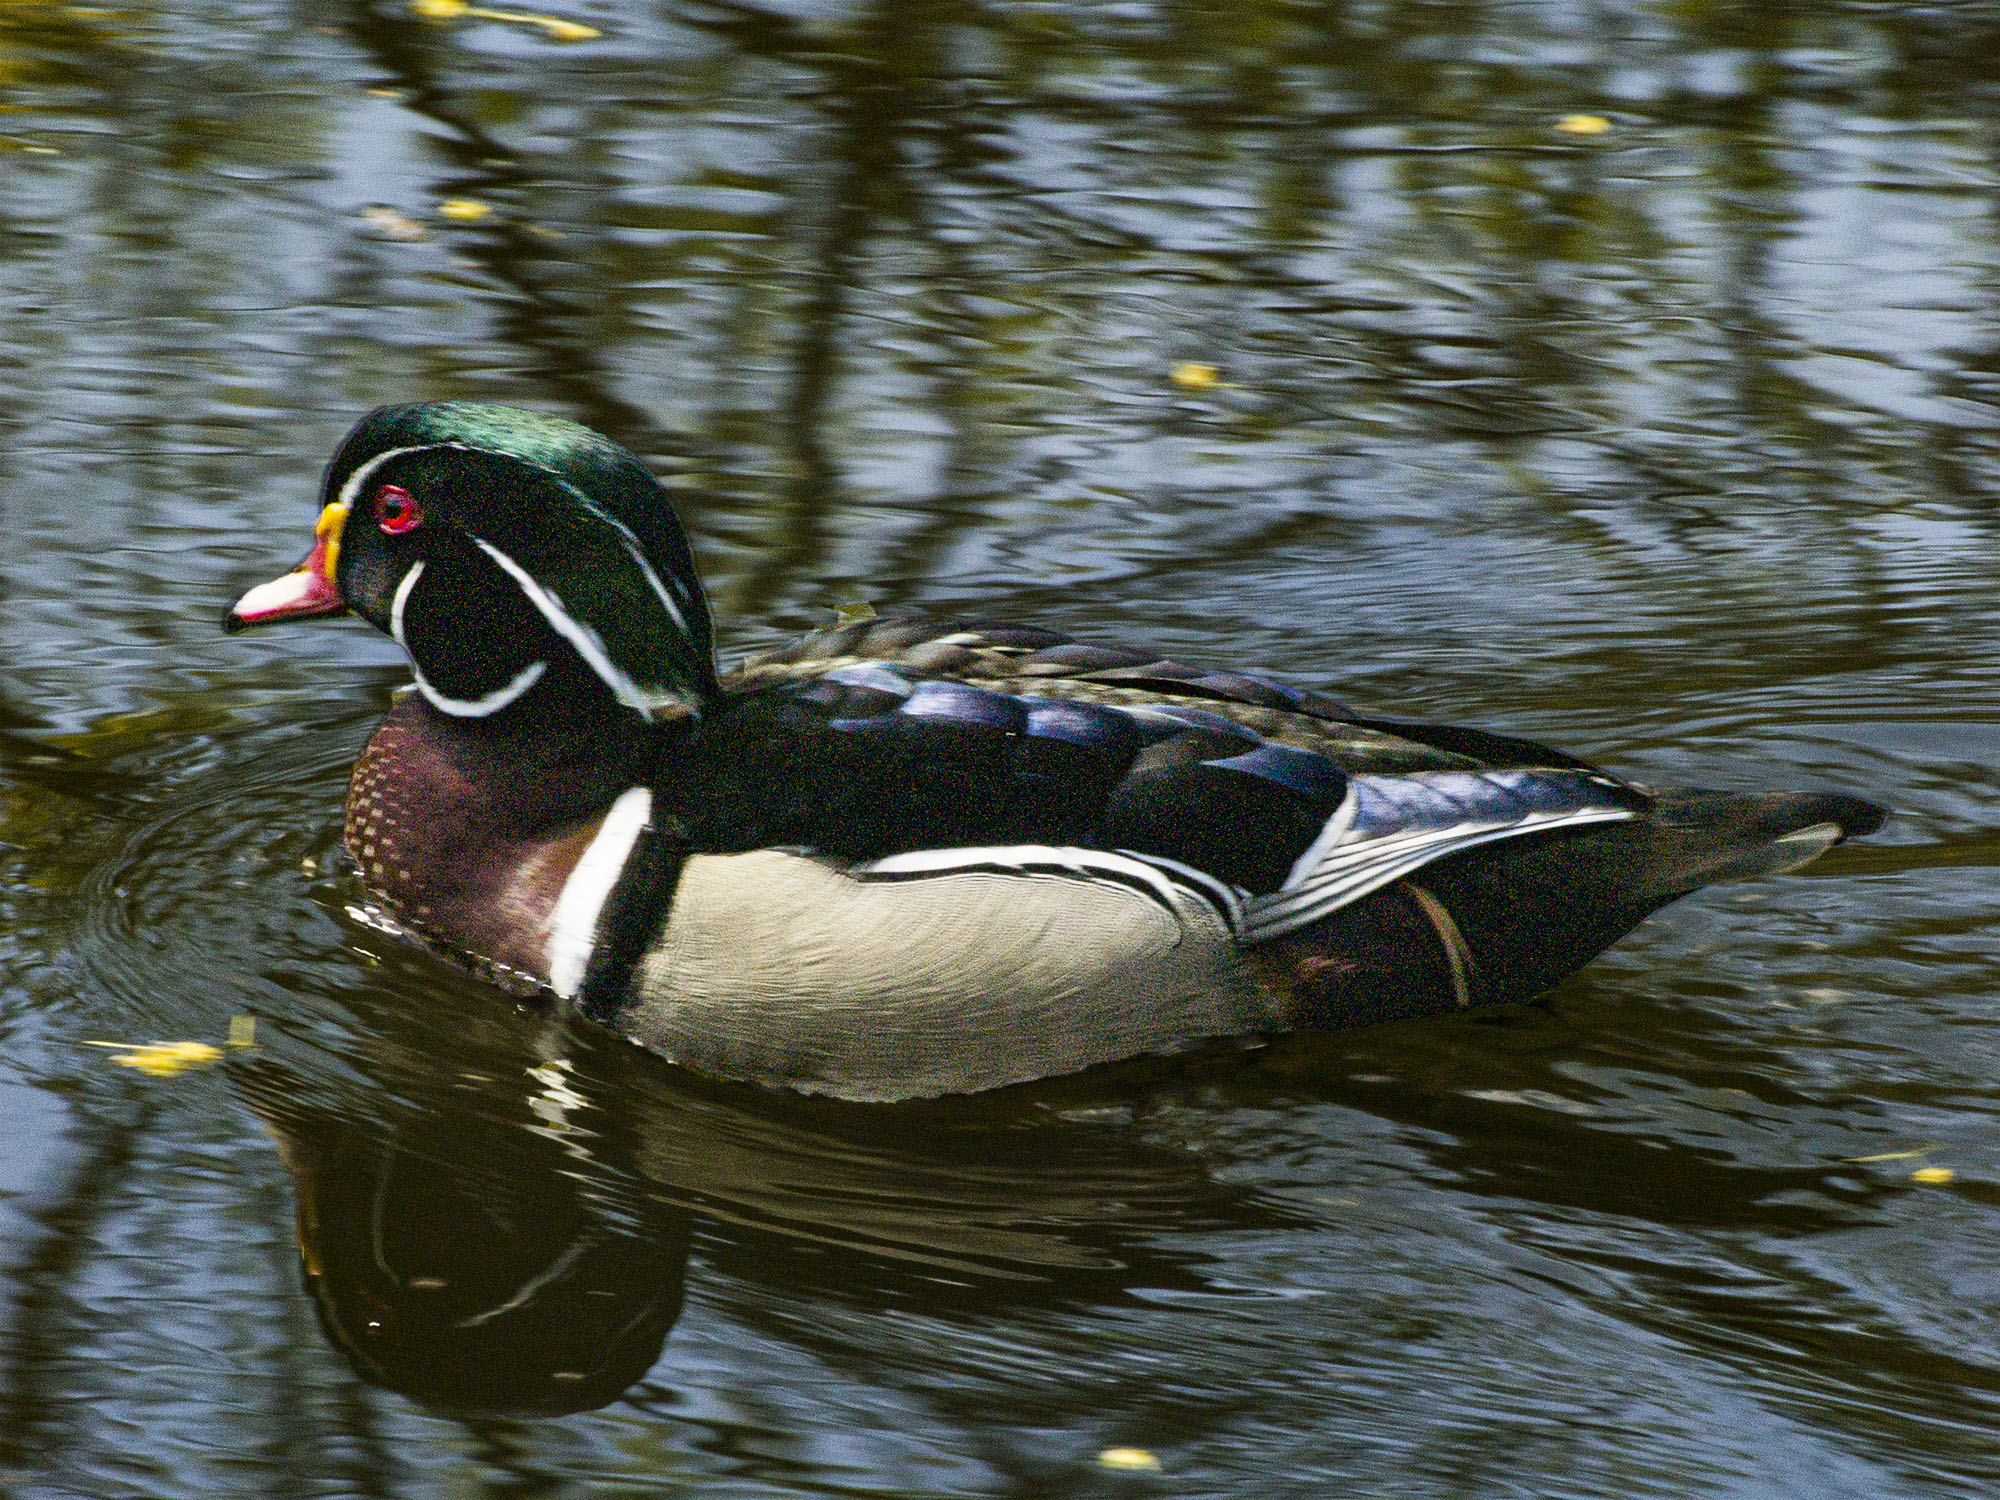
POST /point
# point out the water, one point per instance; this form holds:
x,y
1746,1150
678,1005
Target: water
x,y
1676,444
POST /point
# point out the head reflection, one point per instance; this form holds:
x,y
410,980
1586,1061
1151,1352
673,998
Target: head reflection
x,y
476,1263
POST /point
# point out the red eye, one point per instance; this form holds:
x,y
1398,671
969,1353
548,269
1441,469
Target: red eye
x,y
397,509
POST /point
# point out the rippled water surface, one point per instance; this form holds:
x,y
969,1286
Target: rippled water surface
x,y
1670,434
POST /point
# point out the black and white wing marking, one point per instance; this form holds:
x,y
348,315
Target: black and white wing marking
x,y
1164,881
1391,826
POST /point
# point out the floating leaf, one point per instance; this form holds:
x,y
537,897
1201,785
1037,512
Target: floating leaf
x,y
1194,376
1127,1458
557,28
464,209
1893,1155
1934,1175
1583,124
162,1059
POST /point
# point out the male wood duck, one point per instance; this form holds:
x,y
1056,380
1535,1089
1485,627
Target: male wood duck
x,y
904,857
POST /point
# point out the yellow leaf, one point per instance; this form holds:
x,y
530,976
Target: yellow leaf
x,y
1934,1175
1583,124
1195,376
465,209
161,1059
555,26
440,10
1128,1458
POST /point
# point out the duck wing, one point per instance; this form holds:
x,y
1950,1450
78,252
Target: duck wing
x,y
1277,803
933,743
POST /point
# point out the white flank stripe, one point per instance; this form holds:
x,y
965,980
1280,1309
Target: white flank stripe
x,y
1334,831
464,708
587,642
573,925
1366,868
1225,898
1028,858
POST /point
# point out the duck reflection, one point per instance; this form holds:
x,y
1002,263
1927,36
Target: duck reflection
x,y
495,1211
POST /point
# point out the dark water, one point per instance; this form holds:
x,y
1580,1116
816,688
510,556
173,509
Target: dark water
x,y
1677,444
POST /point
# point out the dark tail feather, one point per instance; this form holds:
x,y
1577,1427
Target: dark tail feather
x,y
1702,838
1504,921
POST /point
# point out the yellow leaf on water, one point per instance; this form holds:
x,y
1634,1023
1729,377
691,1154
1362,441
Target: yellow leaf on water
x,y
1583,124
465,209
161,1059
556,27
1934,1175
1194,376
1127,1458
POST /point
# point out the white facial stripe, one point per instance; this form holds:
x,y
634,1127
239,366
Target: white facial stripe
x,y
402,599
573,924
588,645
359,477
652,578
463,708
479,708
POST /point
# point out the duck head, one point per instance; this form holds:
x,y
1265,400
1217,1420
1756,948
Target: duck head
x,y
510,554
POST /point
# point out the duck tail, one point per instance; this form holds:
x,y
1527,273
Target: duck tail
x,y
1504,921
1700,838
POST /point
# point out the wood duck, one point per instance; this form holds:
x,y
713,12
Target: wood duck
x,y
908,857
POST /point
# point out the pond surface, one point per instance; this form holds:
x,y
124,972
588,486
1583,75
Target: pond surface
x,y
1623,375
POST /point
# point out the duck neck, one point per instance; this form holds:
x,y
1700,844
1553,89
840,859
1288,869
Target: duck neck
x,y
468,829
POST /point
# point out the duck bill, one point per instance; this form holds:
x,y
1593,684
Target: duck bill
x,y
306,591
